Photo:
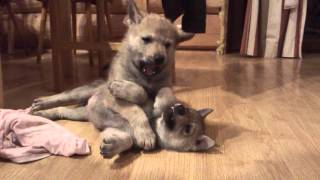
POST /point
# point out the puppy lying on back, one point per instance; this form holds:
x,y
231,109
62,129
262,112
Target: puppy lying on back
x,y
177,126
181,128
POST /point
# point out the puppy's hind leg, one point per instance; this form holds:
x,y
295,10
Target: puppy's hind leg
x,y
114,142
76,114
80,94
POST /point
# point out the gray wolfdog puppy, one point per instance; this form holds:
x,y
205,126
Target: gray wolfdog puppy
x,y
138,89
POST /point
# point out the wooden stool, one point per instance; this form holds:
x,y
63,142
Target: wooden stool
x,y
88,13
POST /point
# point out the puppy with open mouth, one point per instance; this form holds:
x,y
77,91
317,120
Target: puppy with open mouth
x,y
137,91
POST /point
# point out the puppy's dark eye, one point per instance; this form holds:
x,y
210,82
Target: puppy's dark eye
x,y
180,109
146,39
188,129
167,44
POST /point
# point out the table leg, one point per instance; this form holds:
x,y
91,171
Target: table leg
x,y
101,34
66,35
1,84
60,31
44,14
90,30
223,23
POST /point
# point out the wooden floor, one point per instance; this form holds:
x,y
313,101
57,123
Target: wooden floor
x,y
266,122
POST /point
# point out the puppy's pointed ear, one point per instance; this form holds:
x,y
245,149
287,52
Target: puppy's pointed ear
x,y
134,14
183,36
205,112
204,143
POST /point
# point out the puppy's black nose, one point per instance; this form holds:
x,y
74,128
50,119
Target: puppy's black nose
x,y
158,59
180,109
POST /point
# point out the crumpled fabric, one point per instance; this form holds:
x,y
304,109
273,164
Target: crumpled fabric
x,y
25,137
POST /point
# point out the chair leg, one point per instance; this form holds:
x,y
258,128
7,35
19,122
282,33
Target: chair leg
x,y
42,32
108,18
89,30
1,86
101,36
15,24
74,22
11,39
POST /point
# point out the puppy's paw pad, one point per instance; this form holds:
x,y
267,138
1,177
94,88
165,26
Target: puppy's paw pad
x,y
108,148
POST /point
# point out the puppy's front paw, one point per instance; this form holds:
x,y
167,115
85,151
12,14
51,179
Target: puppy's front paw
x,y
145,138
37,113
116,88
159,106
108,148
39,104
157,111
164,99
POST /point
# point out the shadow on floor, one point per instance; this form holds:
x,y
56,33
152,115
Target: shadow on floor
x,y
126,158
223,132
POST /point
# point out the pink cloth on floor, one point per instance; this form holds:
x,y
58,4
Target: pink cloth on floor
x,y
24,138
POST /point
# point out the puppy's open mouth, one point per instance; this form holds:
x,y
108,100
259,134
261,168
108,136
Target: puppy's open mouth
x,y
149,69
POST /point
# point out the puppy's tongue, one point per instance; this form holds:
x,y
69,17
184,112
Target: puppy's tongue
x,y
149,70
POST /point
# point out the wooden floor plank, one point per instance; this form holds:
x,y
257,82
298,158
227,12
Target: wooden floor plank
x,y
265,121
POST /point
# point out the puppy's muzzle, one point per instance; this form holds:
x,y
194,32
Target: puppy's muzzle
x,y
152,65
170,114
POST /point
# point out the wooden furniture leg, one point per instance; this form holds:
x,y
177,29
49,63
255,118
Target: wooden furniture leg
x,y
60,31
108,18
89,30
66,35
101,35
56,59
44,14
222,16
1,86
11,39
15,24
74,22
